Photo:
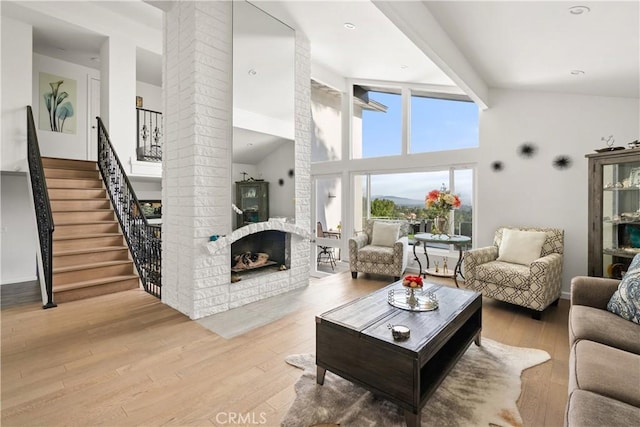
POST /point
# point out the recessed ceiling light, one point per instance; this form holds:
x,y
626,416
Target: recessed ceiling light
x,y
95,58
579,10
349,26
404,66
577,72
252,72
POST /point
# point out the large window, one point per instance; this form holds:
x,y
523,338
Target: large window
x,y
402,195
377,123
442,124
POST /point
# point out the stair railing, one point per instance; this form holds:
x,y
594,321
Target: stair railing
x,y
144,239
44,218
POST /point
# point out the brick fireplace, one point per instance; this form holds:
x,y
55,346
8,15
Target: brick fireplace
x,y
197,167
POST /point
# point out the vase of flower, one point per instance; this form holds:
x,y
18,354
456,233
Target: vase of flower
x,y
440,225
440,203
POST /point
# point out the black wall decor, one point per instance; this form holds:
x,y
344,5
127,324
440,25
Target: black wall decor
x,y
497,166
562,162
527,150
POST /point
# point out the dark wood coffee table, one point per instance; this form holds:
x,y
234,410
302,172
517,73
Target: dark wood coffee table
x,y
354,342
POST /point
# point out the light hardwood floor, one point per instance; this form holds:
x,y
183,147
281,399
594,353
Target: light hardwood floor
x,y
126,359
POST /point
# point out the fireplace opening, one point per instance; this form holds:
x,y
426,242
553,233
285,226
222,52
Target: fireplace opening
x,y
260,253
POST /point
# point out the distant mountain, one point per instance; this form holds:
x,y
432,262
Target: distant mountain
x,y
401,201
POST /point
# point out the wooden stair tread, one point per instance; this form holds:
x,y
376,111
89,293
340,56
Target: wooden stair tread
x,y
87,210
93,282
91,265
85,236
89,250
104,221
100,199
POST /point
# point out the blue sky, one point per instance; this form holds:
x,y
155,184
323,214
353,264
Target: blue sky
x,y
436,125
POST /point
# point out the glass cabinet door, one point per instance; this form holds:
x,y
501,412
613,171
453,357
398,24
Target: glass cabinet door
x,y
620,216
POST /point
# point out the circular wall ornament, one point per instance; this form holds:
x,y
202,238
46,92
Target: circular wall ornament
x,y
562,162
527,150
497,166
281,182
291,173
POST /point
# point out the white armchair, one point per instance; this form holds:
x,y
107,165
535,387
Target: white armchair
x,y
378,250
534,285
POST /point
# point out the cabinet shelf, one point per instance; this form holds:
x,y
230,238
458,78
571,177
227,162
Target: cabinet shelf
x,y
622,253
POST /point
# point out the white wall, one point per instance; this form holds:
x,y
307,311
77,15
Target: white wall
x,y
274,167
18,230
151,96
15,92
531,192
56,144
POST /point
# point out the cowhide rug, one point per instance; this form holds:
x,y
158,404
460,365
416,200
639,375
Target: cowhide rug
x,y
481,390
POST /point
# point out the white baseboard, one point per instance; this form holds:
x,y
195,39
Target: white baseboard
x,y
19,280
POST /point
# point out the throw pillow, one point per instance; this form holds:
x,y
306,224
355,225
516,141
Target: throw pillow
x,y
385,233
625,302
521,247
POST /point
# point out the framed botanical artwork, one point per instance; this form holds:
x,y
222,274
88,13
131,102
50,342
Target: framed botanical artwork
x,y
634,177
58,103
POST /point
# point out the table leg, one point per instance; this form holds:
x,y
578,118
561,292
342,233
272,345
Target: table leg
x,y
320,375
415,256
458,268
478,340
424,247
412,420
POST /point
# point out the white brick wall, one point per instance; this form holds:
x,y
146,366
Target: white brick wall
x,y
196,183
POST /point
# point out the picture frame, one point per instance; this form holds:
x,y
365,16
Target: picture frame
x,y
634,177
139,102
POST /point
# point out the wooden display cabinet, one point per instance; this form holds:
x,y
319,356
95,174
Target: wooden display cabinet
x,y
614,211
252,198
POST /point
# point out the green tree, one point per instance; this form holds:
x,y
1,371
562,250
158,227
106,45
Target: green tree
x,y
382,208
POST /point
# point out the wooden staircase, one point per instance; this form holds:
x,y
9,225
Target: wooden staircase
x,y
90,255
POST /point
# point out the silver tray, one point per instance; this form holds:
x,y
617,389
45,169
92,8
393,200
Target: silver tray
x,y
400,298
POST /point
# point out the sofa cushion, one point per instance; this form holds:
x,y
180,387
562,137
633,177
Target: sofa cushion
x,y
625,302
521,247
376,254
385,233
605,370
504,274
601,326
589,409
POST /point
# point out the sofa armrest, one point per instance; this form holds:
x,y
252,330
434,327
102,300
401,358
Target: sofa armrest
x,y
546,277
401,252
474,257
355,244
592,291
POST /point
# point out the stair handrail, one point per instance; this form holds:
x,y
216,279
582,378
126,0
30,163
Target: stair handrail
x,y
42,204
144,239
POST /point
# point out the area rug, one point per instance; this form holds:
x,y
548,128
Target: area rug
x,y
481,390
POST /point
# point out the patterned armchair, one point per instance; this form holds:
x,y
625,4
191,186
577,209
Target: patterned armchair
x,y
534,286
389,260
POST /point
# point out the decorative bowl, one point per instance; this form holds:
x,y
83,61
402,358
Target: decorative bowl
x,y
400,332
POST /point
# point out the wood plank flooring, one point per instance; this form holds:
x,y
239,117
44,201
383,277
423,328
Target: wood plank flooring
x,y
126,359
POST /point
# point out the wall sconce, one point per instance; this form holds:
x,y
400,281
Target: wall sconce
x,y
332,196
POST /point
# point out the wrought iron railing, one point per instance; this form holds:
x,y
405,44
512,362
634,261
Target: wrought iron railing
x,y
149,141
44,218
144,239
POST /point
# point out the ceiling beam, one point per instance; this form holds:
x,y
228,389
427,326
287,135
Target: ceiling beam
x,y
420,26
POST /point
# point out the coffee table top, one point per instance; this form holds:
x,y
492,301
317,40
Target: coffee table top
x,y
371,314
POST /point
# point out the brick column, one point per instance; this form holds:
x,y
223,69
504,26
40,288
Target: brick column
x,y
196,189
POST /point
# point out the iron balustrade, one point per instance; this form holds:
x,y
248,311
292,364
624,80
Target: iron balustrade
x,y
44,217
149,139
144,239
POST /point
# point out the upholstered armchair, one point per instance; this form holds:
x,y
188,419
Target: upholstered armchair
x,y
522,267
381,248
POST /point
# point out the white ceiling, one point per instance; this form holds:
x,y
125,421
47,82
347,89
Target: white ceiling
x,y
529,45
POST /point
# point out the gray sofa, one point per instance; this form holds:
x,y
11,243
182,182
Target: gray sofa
x,y
604,362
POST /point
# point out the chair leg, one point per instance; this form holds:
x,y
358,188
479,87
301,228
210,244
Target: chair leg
x,y
354,274
555,303
536,315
